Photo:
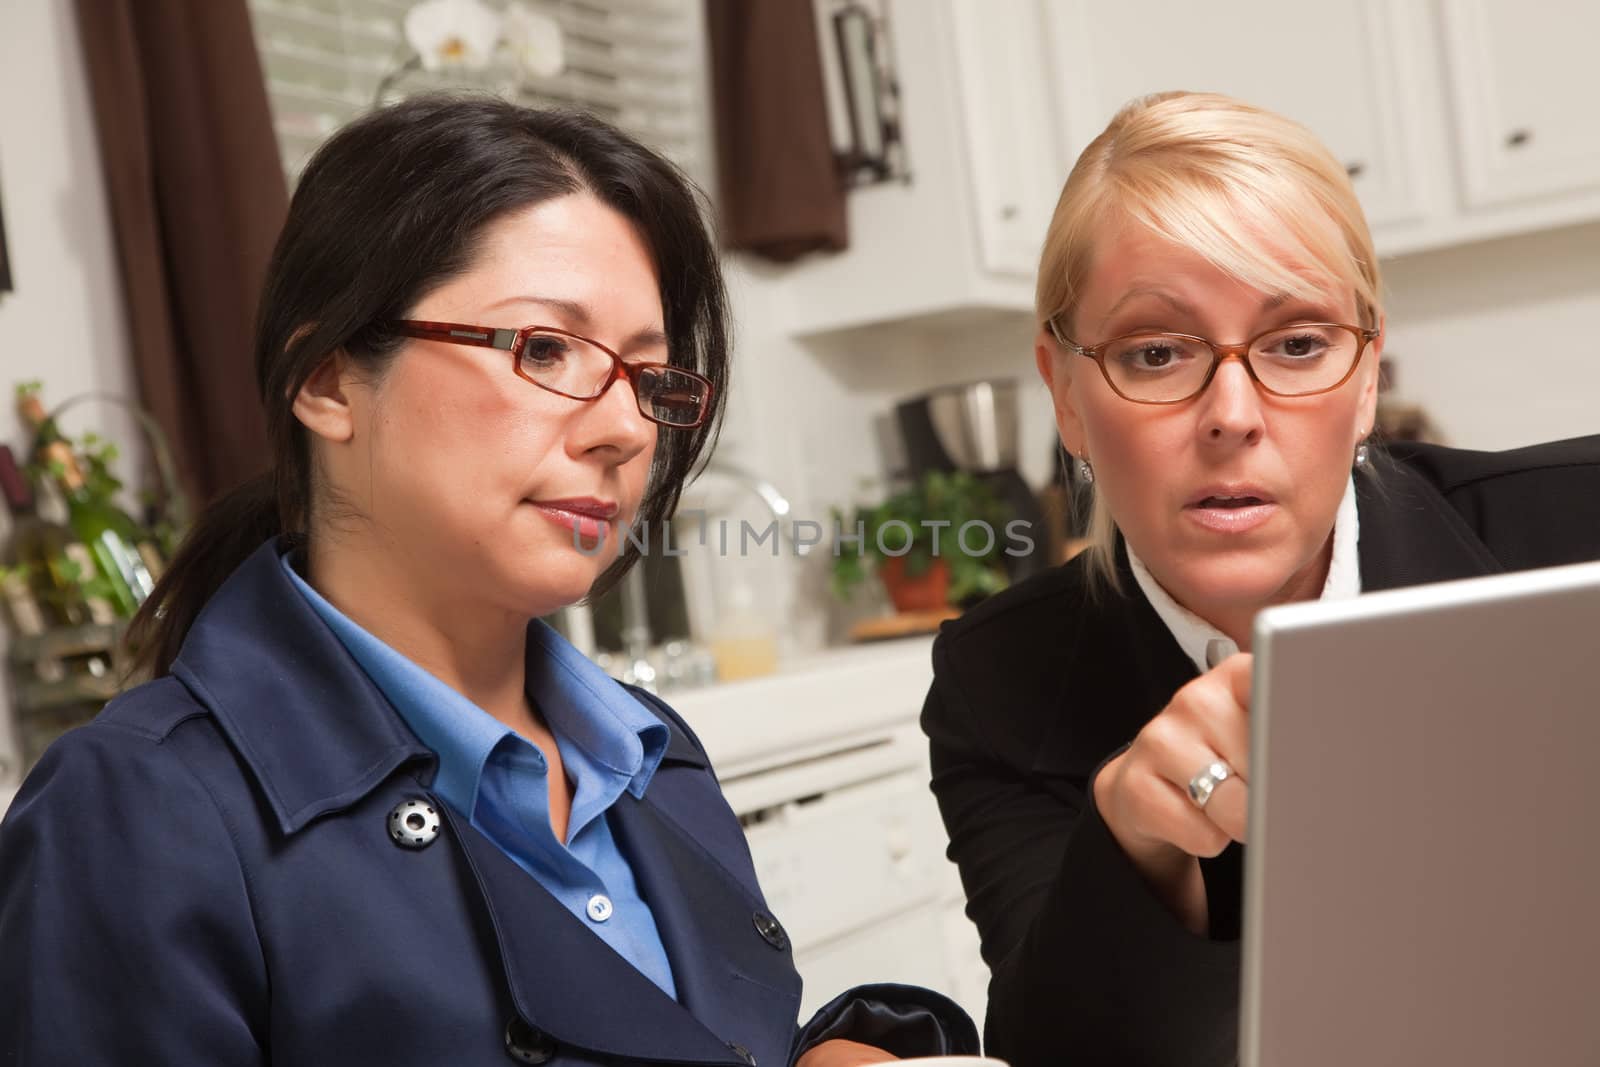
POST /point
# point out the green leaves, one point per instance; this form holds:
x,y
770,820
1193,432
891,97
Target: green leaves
x,y
931,519
98,456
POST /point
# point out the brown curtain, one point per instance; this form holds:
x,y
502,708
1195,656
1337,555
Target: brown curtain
x,y
197,199
780,188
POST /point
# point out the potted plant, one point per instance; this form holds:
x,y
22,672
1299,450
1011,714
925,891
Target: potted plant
x,y
918,540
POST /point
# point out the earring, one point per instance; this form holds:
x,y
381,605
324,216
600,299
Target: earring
x,y
1085,472
1363,454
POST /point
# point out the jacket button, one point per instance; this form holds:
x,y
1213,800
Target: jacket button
x,y
528,1044
743,1053
414,823
771,931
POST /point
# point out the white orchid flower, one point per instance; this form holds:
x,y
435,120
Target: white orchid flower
x,y
534,40
453,33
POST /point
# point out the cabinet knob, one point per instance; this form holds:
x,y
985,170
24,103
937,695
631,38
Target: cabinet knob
x,y
1008,212
1355,169
1518,138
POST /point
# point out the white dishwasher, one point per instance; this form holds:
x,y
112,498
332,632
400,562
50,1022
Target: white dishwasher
x,y
850,853
828,773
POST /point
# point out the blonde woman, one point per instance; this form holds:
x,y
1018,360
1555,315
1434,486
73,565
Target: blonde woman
x,y
1210,329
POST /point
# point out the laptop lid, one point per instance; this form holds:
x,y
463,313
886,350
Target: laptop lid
x,y
1423,870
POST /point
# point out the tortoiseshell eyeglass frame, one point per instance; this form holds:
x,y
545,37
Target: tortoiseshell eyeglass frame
x,y
1219,352
457,333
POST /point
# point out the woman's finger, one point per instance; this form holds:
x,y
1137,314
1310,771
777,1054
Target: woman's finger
x,y
1229,808
1179,756
1219,721
1236,671
1169,815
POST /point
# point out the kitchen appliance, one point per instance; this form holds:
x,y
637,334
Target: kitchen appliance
x,y
973,428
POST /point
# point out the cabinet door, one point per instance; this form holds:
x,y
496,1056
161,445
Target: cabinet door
x,y
1523,87
901,947
1341,69
1007,119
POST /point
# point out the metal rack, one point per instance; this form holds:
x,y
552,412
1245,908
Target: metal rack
x,y
47,707
47,696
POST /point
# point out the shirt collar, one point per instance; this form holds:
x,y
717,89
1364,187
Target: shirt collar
x,y
620,743
1206,645
585,705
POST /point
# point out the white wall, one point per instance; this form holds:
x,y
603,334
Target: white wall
x,y
1501,340
64,322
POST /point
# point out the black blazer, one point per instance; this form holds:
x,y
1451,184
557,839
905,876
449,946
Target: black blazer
x,y
1034,689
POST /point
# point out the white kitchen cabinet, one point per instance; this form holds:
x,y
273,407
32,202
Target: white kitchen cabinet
x,y
963,234
1348,73
827,768
1015,174
1522,79
1458,120
901,947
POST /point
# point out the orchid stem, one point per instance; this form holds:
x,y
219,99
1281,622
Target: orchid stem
x,y
414,63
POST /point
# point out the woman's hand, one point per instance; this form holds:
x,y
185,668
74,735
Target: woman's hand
x,y
841,1053
1143,794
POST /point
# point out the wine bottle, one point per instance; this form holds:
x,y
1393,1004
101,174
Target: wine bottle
x,y
94,457
106,531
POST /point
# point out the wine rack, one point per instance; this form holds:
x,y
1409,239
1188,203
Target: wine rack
x,y
54,687
62,676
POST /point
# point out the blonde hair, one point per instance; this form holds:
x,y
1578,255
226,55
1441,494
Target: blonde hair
x,y
1253,192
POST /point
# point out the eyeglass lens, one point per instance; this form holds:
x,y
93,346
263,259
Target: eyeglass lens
x,y
576,368
1292,361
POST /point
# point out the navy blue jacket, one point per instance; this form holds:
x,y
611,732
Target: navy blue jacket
x,y
204,875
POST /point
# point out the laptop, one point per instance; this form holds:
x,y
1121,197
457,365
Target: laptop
x,y
1422,882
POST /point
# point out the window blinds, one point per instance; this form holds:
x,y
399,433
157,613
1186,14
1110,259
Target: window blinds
x,y
636,63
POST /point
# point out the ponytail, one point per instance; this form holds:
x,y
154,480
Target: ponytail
x,y
224,536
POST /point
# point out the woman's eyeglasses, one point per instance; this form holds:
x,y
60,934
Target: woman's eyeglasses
x,y
1169,368
573,366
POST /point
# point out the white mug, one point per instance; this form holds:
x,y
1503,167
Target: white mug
x,y
956,1061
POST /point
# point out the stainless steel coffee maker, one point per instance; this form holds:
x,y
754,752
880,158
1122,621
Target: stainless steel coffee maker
x,y
973,427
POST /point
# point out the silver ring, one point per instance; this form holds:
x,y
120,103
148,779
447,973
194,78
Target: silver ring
x,y
1202,785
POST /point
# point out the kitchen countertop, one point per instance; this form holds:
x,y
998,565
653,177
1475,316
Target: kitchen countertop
x,y
810,704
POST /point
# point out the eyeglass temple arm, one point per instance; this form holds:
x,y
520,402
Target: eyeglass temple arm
x,y
1064,341
458,333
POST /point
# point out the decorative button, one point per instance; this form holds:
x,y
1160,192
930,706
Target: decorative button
x,y
743,1053
528,1044
771,931
599,907
414,823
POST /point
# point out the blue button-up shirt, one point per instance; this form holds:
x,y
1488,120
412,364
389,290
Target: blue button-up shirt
x,y
499,781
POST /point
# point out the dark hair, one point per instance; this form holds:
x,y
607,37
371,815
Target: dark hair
x,y
391,207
